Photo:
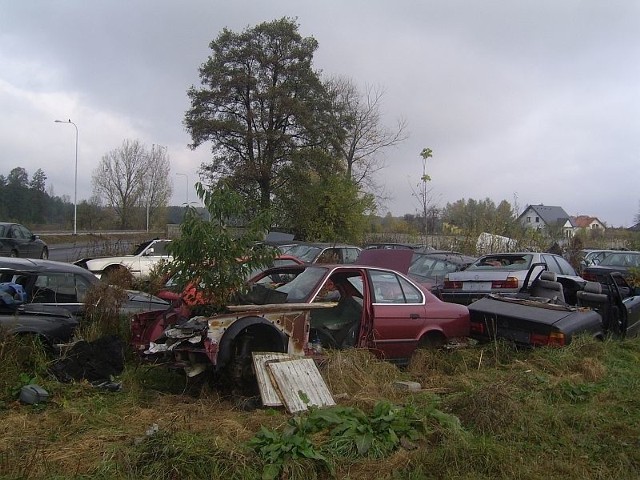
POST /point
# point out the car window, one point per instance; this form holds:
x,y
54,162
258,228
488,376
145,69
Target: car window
x,y
502,262
391,288
15,232
327,293
299,289
3,230
350,255
552,265
160,248
565,266
329,255
306,253
59,288
619,260
25,232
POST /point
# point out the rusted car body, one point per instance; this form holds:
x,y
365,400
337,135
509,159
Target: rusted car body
x,y
303,309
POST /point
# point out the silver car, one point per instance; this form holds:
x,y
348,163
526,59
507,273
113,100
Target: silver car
x,y
502,273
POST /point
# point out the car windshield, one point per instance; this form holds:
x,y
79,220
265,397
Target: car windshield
x,y
502,262
306,253
621,260
299,289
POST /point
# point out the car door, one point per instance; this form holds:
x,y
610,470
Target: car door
x,y
144,263
399,315
65,290
29,247
16,241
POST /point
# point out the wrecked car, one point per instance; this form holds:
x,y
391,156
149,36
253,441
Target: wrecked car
x,y
500,273
49,283
50,324
540,314
302,310
138,264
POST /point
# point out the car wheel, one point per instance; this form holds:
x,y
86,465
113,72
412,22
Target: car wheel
x,y
13,254
45,253
117,275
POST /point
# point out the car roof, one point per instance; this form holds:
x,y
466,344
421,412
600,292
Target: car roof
x,y
397,259
321,244
37,265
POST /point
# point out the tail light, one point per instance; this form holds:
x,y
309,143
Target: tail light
x,y
590,276
553,339
450,285
477,327
510,282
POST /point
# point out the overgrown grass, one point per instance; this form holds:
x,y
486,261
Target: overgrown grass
x,y
488,411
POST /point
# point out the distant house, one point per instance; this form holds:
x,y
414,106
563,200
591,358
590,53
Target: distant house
x,y
588,224
540,217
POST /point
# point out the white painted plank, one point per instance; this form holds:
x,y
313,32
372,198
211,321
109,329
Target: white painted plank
x,y
300,384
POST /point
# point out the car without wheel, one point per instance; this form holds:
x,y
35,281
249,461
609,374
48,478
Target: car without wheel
x,y
16,240
47,283
540,315
53,325
301,310
140,263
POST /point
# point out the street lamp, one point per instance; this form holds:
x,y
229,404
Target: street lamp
x,y
186,177
75,181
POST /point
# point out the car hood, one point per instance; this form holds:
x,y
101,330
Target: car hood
x,y
136,297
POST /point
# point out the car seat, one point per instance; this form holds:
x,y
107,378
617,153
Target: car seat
x,y
592,297
547,286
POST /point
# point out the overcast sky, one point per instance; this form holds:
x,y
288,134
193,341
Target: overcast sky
x,y
532,102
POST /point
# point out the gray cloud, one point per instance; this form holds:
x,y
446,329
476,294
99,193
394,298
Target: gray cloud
x,y
537,100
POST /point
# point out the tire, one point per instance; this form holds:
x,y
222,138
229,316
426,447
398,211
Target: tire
x,y
44,255
117,274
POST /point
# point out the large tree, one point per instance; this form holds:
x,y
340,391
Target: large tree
x,y
261,103
363,137
129,177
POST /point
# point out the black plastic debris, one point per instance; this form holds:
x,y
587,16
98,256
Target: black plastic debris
x,y
97,361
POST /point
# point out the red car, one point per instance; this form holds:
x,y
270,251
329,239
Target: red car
x,y
302,309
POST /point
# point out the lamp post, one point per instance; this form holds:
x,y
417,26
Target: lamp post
x,y
186,178
75,181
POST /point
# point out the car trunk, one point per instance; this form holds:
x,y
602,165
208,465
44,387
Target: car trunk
x,y
525,322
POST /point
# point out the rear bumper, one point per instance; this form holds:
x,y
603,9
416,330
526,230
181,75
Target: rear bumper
x,y
466,298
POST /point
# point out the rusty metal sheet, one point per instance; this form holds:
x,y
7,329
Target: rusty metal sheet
x,y
299,384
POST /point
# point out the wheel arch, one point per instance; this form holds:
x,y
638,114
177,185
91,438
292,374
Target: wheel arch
x,y
247,326
432,338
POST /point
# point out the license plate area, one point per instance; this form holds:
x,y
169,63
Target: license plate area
x,y
476,286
